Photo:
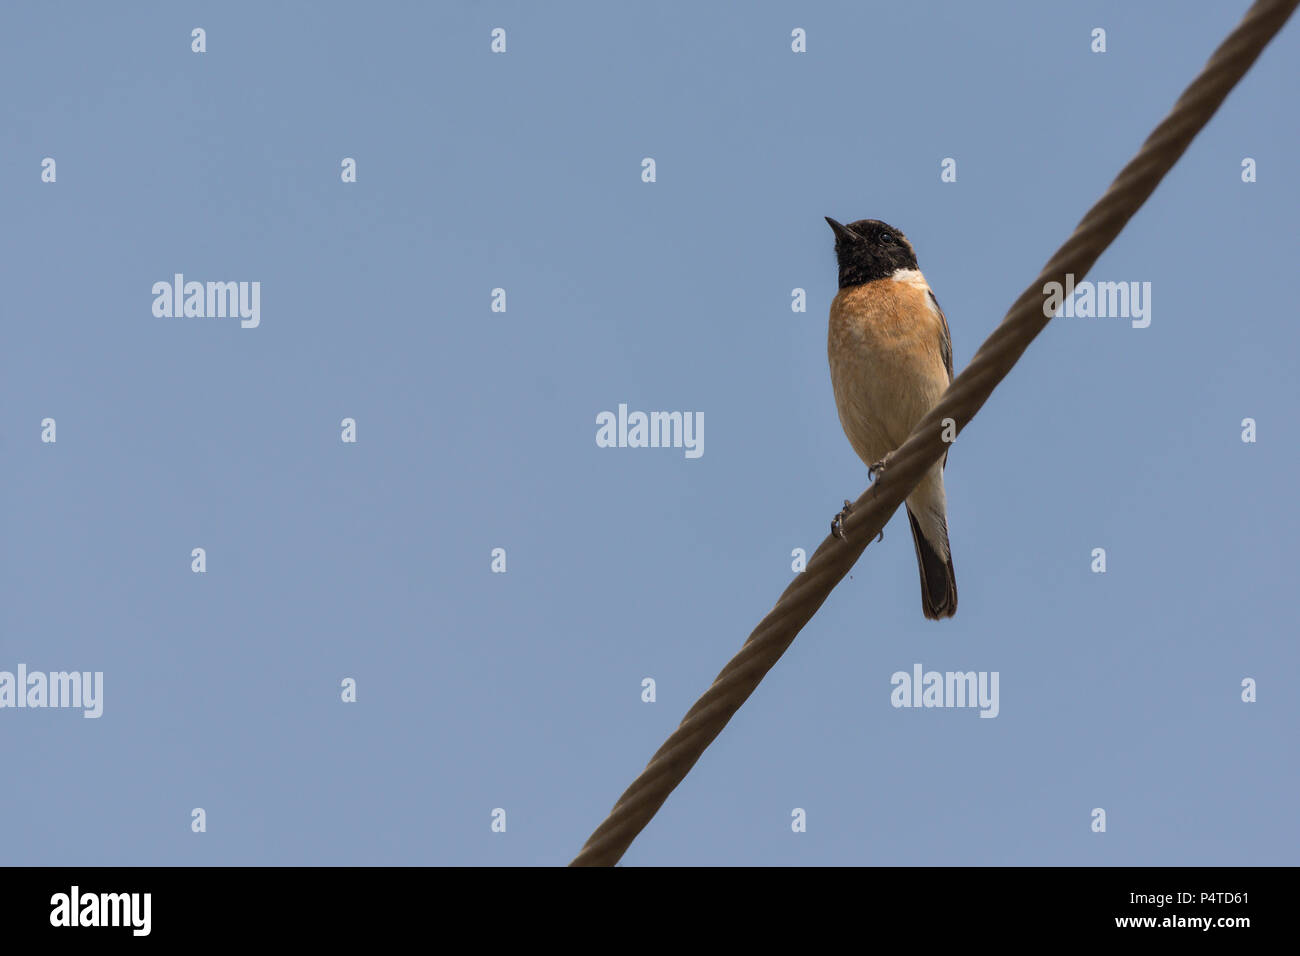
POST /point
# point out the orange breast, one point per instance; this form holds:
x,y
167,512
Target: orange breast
x,y
886,365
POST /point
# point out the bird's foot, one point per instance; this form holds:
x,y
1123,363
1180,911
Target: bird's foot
x,y
837,523
878,468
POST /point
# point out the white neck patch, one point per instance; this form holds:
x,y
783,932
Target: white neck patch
x,y
911,277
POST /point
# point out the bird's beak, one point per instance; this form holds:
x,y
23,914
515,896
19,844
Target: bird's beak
x,y
842,232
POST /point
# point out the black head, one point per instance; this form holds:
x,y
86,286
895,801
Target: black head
x,y
870,249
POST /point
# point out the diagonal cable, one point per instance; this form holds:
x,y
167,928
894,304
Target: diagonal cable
x,y
967,394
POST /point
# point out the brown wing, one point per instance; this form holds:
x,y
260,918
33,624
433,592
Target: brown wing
x,y
945,337
945,347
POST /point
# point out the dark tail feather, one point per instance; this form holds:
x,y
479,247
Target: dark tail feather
x,y
938,581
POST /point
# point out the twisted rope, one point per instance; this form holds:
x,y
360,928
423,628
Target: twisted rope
x,y
967,394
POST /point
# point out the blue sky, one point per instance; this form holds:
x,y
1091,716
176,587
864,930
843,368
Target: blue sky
x,y
476,430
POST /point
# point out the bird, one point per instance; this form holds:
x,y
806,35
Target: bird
x,y
890,355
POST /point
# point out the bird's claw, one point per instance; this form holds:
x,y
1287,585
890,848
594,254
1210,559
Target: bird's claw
x,y
837,523
878,468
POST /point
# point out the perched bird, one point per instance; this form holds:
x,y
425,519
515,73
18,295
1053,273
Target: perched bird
x,y
891,358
